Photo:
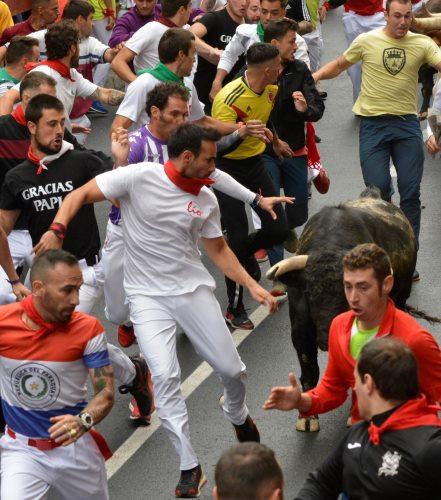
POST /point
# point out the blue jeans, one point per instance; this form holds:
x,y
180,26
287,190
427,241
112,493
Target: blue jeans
x,y
292,175
399,138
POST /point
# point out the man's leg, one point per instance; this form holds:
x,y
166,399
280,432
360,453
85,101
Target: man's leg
x,y
101,70
80,470
26,474
20,245
92,288
205,328
314,41
375,153
352,29
408,158
155,330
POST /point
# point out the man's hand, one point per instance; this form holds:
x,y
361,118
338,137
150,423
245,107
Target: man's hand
x,y
282,149
20,291
66,429
322,14
257,129
284,398
48,241
270,202
215,88
432,146
79,129
110,23
263,297
299,102
120,146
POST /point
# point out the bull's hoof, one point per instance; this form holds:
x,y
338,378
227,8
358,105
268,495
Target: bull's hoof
x,y
308,424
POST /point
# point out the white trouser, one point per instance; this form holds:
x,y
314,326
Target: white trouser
x,y
101,70
20,245
200,316
355,25
314,41
117,306
75,471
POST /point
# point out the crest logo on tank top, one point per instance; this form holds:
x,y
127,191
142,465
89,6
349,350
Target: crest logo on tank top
x,y
35,385
394,60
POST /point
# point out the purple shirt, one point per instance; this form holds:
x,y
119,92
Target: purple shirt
x,y
130,22
143,147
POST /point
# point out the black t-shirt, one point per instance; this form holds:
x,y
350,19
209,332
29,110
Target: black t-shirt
x,y
39,196
220,30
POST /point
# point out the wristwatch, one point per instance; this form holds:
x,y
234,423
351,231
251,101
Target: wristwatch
x,y
86,420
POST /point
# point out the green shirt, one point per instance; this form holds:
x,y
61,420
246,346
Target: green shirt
x,y
359,338
6,81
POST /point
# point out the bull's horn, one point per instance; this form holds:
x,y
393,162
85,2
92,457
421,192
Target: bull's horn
x,y
427,24
295,263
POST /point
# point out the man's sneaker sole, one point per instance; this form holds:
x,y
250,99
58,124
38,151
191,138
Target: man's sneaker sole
x,y
202,483
138,418
242,326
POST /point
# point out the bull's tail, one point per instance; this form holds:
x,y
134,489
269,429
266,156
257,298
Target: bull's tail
x,y
421,314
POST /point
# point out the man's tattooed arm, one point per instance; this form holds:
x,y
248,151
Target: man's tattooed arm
x,y
108,96
102,402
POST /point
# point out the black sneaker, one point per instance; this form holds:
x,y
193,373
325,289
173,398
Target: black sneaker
x,y
247,431
190,483
139,388
238,318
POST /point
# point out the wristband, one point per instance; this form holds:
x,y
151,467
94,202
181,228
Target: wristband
x,y
13,282
58,229
256,201
109,13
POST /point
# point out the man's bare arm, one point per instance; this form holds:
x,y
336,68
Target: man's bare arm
x,y
217,82
224,128
6,262
8,218
8,100
89,193
223,257
120,121
120,64
108,96
332,69
209,53
66,429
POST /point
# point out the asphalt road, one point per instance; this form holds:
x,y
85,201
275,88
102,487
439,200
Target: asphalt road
x,y
152,471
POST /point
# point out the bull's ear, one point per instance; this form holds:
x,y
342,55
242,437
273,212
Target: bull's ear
x,y
295,263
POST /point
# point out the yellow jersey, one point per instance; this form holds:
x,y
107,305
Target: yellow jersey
x,y
236,102
389,80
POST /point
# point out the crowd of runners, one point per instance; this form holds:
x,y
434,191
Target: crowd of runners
x,y
214,105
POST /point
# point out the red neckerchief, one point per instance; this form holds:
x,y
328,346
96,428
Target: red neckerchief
x,y
29,308
33,159
55,65
188,184
18,115
166,22
414,413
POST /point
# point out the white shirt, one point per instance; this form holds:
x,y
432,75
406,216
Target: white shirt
x,y
245,36
144,43
66,89
133,105
162,226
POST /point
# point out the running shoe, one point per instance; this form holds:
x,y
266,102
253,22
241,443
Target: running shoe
x,y
97,108
238,318
139,388
322,182
136,415
261,255
126,336
190,483
247,431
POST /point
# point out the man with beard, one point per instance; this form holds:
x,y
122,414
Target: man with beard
x,y
368,280
217,29
35,189
50,430
62,49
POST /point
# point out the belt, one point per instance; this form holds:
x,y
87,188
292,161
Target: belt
x,y
40,444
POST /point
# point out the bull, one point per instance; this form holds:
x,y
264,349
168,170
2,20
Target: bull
x,y
314,275
428,22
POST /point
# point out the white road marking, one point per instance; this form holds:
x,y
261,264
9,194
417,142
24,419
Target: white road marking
x,y
190,384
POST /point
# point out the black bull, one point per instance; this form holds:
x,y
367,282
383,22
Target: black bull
x,y
315,290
